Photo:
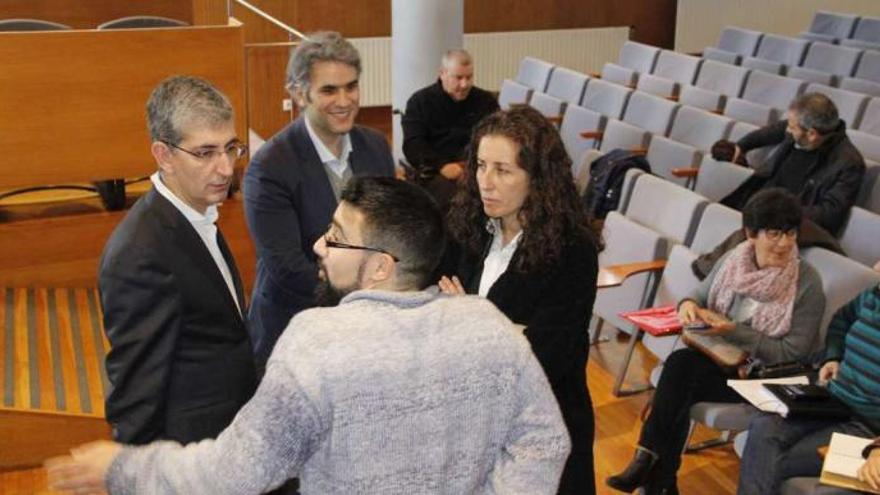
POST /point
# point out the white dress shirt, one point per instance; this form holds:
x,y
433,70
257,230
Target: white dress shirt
x,y
498,258
337,165
204,226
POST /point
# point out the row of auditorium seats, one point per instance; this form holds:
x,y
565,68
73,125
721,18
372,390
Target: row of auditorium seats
x,y
138,21
845,29
598,116
845,67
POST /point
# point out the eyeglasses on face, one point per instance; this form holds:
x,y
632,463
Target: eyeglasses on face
x,y
342,245
233,151
776,235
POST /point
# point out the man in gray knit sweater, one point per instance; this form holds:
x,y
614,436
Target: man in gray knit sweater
x,y
395,390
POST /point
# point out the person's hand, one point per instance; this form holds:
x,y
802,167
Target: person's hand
x,y
719,323
870,470
84,470
687,312
829,371
451,286
452,171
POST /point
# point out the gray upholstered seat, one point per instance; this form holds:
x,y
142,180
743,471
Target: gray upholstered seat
x,y
567,85
513,93
870,122
142,21
607,98
715,82
671,71
733,44
858,238
717,179
866,34
830,27
850,106
634,59
827,64
534,73
777,53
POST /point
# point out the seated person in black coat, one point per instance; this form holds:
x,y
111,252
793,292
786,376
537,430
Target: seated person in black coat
x,y
814,160
524,243
438,122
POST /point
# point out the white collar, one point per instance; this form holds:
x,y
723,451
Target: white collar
x,y
493,226
193,216
325,154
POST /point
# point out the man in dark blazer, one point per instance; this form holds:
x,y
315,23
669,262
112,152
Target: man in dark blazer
x,y
180,363
292,185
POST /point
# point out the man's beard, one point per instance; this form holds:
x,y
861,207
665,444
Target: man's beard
x,y
327,295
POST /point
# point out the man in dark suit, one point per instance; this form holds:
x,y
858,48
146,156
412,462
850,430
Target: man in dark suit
x,y
180,363
292,185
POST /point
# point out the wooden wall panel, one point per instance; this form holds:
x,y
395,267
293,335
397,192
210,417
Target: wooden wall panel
x,y
653,21
64,251
100,133
266,67
87,14
209,12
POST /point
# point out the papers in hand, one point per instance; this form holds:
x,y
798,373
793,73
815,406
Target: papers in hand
x,y
758,396
843,461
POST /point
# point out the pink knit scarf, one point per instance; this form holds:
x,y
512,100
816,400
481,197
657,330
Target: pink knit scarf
x,y
772,287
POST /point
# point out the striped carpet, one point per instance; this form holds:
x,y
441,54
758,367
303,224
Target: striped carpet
x,y
52,347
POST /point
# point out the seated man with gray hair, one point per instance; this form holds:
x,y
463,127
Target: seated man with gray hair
x,y
814,160
438,122
390,391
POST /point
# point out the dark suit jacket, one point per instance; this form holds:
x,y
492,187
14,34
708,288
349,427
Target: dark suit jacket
x,y
180,362
555,306
289,203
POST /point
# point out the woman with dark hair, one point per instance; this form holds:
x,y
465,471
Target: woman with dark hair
x,y
761,298
525,244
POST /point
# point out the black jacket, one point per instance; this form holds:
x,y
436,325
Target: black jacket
x,y
289,202
833,174
437,129
555,306
180,362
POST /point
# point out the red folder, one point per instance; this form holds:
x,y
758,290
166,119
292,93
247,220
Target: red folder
x,y
656,321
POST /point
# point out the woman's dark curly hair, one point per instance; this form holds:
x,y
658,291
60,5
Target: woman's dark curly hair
x,y
552,214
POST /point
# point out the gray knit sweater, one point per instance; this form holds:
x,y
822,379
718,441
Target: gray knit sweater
x,y
390,392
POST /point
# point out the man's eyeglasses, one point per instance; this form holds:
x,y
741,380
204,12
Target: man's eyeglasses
x,y
341,245
234,151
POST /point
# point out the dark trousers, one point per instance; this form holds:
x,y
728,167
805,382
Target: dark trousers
x,y
778,449
688,377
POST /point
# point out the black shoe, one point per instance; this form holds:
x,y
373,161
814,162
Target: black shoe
x,y
636,474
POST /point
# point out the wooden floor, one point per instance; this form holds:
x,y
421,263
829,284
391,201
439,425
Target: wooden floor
x,y
709,472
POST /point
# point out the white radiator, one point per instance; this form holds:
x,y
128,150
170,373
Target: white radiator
x,y
497,56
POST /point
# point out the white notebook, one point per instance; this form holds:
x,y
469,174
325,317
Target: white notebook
x,y
843,460
758,396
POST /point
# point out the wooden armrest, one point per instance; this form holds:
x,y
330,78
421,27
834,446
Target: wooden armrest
x,y
685,172
596,75
672,98
639,151
717,111
592,134
822,451
518,105
614,275
631,86
555,119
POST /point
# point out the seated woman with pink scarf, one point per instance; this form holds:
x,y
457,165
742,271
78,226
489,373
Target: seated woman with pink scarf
x,y
762,298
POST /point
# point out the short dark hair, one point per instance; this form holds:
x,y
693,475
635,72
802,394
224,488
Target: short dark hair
x,y
816,111
402,219
323,46
772,208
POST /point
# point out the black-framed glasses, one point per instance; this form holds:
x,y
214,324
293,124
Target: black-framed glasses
x,y
342,245
234,151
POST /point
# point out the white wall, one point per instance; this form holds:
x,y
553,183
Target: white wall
x,y
700,21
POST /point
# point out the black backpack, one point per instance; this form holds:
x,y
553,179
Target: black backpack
x,y
606,180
